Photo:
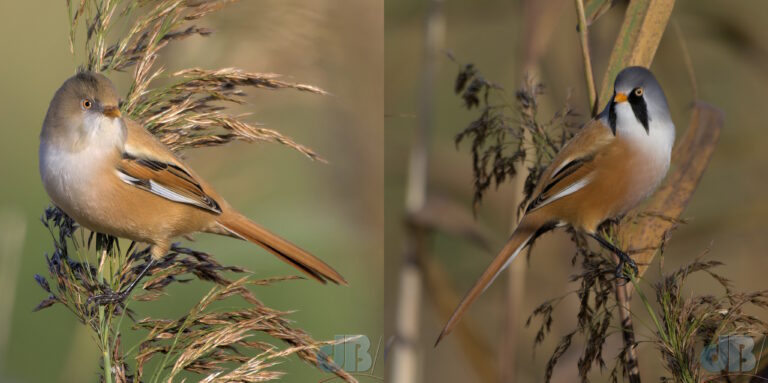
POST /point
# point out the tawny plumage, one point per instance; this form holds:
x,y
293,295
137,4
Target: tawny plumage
x,y
112,176
611,165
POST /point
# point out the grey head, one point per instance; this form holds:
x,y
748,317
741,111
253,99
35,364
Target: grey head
x,y
638,87
83,95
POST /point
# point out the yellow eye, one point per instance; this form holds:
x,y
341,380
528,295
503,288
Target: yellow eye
x,y
639,92
86,104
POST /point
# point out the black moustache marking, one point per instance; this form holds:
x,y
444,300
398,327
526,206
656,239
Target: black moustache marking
x,y
612,115
640,109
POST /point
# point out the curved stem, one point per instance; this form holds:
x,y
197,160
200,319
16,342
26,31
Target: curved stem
x,y
584,38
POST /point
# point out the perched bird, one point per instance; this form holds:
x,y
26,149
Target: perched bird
x,y
113,177
615,162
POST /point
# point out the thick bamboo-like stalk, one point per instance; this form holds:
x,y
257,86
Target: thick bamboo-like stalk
x,y
540,20
516,276
406,358
444,297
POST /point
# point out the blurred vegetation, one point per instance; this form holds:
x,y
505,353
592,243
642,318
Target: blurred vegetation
x,y
504,134
334,210
725,46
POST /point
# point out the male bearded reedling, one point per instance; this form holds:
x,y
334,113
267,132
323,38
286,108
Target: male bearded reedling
x,y
614,163
112,176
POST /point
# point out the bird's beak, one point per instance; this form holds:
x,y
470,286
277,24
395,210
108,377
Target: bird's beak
x,y
111,111
620,97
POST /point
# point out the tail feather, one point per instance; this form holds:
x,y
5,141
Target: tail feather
x,y
250,231
515,244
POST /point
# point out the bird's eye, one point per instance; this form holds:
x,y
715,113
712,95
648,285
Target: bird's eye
x,y
86,103
639,92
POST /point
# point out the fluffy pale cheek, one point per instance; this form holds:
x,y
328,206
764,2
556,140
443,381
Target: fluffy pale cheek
x,y
102,131
91,122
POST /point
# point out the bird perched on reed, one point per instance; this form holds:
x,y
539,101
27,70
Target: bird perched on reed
x,y
113,177
614,162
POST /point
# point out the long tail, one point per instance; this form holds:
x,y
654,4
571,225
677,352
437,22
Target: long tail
x,y
244,228
517,241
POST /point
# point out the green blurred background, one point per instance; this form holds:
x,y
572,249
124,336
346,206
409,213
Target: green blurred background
x,y
729,51
335,210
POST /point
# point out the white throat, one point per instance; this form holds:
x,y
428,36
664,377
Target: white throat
x,y
659,138
100,132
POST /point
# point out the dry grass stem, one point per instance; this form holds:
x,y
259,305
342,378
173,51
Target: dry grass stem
x,y
588,74
688,327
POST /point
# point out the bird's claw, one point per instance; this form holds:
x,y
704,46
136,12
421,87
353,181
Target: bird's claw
x,y
620,274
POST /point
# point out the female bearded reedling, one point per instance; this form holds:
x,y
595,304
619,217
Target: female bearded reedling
x,y
113,177
610,166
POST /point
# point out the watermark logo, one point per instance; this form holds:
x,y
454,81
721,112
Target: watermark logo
x,y
352,353
733,353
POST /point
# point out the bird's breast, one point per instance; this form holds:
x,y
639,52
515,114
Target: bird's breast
x,y
71,177
74,168
644,162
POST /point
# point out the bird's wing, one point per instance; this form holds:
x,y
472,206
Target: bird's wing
x,y
149,165
573,167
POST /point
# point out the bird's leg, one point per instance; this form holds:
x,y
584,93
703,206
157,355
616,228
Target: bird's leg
x,y
623,257
120,296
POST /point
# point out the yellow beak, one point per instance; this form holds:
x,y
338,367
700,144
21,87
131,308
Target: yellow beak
x,y
111,111
620,97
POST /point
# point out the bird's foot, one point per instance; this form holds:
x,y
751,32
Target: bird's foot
x,y
119,297
626,260
108,298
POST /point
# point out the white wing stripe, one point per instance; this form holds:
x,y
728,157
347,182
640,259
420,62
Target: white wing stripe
x,y
570,189
164,192
160,190
562,165
126,178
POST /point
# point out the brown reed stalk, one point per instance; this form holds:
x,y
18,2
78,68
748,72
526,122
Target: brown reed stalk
x,y
587,57
540,23
406,363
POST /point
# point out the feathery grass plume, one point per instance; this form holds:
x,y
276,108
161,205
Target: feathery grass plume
x,y
218,344
207,341
190,112
596,308
498,134
182,115
689,328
